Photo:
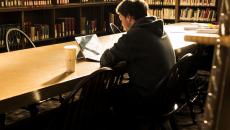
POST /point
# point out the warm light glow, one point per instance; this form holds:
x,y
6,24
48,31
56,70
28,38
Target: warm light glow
x,y
175,107
70,47
37,96
205,122
210,94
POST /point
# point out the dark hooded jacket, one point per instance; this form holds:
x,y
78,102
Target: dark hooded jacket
x,y
147,51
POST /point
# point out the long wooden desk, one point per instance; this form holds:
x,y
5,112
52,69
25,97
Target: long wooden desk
x,y
189,37
208,39
35,74
31,75
176,35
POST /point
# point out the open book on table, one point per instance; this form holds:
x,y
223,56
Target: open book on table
x,y
90,47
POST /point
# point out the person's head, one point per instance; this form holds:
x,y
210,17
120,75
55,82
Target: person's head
x,y
131,10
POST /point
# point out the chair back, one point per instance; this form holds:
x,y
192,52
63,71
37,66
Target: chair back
x,y
114,28
93,108
16,39
171,87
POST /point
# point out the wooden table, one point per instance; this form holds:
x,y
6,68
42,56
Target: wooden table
x,y
31,75
176,34
35,74
208,39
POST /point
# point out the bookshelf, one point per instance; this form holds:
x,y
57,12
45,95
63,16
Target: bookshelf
x,y
55,21
198,10
185,10
164,9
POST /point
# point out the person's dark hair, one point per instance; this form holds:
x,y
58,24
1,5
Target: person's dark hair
x,y
135,8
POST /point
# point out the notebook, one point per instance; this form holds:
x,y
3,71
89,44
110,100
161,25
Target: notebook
x,y
90,47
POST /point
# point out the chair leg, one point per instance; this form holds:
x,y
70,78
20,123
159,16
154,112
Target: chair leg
x,y
169,124
202,93
166,125
33,109
2,120
202,88
190,105
192,114
199,101
173,123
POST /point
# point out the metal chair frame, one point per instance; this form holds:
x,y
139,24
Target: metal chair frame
x,y
21,32
114,28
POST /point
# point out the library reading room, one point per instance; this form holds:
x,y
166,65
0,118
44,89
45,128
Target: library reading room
x,y
114,64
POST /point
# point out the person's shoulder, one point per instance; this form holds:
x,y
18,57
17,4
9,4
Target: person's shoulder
x,y
129,35
136,32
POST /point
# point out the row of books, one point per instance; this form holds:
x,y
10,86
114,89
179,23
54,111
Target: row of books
x,y
15,3
169,2
87,26
18,3
3,30
12,3
198,2
37,31
165,13
161,2
64,27
61,1
111,0
90,1
206,15
37,2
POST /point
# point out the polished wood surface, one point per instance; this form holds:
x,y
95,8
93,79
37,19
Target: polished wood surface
x,y
33,69
191,36
32,75
208,39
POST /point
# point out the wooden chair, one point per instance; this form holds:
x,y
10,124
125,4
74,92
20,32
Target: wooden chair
x,y
203,59
195,86
114,28
170,89
88,106
182,80
158,110
16,39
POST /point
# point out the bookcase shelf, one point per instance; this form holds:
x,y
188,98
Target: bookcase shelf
x,y
185,10
197,6
52,23
199,10
161,6
61,20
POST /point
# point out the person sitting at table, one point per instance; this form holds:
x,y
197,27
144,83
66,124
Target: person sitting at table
x,y
145,49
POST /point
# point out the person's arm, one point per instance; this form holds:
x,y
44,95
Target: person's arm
x,y
107,59
116,54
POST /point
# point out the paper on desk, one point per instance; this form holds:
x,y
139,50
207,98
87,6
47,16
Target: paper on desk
x,y
203,28
91,46
207,30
